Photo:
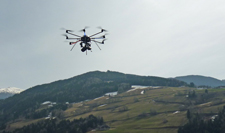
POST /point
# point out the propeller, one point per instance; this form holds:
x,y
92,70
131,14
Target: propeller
x,y
104,35
65,36
72,43
62,29
103,41
66,30
84,29
102,30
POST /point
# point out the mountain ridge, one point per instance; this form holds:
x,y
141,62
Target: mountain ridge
x,y
200,80
10,91
13,90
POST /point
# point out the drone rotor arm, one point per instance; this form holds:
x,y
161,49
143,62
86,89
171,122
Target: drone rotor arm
x,y
73,34
101,37
73,38
96,34
98,38
74,44
97,42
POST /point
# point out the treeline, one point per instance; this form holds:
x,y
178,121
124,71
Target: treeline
x,y
197,124
81,125
135,79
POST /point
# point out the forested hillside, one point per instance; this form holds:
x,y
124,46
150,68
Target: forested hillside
x,y
86,86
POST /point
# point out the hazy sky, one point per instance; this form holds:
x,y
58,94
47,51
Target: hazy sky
x,y
165,38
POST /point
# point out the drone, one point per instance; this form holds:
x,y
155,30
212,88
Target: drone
x,y
85,40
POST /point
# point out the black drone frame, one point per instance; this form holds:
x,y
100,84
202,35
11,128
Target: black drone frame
x,y
86,39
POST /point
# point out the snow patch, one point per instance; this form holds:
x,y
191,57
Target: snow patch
x,y
46,102
176,112
135,87
98,98
102,105
111,93
12,90
213,117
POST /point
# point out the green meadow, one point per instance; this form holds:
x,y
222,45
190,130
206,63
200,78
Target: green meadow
x,y
158,110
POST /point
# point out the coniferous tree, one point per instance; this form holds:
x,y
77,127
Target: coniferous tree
x,y
81,125
188,114
206,91
199,125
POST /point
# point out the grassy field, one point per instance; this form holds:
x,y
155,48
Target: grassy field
x,y
153,111
160,110
21,123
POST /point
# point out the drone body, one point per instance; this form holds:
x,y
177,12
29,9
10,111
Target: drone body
x,y
86,40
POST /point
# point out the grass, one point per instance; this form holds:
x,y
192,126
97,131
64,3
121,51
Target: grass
x,y
22,123
151,112
131,121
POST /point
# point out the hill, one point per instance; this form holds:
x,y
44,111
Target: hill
x,y
157,110
7,92
79,88
201,80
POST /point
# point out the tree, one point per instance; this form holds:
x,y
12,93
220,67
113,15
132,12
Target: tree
x,y
206,91
188,114
192,84
193,94
81,125
198,125
189,94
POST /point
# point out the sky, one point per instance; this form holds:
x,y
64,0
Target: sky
x,y
165,38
